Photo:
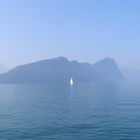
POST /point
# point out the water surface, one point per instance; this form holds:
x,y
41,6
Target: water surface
x,y
86,111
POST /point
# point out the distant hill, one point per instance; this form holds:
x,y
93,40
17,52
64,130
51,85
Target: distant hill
x,y
107,70
61,70
131,75
3,68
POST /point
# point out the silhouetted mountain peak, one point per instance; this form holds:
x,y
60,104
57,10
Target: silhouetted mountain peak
x,y
59,59
60,69
107,69
105,62
108,59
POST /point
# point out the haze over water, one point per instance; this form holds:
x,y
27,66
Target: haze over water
x,y
85,111
82,30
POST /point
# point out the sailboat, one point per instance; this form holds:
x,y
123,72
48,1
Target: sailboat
x,y
71,81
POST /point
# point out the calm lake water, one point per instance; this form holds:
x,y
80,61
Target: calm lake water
x,y
86,111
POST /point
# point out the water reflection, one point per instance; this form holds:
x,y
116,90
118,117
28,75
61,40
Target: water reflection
x,y
84,110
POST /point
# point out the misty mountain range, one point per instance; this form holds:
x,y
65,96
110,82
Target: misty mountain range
x,y
60,70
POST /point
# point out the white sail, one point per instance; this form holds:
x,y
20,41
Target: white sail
x,y
71,81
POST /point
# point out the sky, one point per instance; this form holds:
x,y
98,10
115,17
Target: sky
x,y
85,30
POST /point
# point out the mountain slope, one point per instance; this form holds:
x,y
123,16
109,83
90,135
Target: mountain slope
x,y
107,70
60,70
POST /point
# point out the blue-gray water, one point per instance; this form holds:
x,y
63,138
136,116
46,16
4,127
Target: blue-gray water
x,y
86,111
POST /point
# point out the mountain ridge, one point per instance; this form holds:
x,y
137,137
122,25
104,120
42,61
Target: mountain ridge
x,y
60,69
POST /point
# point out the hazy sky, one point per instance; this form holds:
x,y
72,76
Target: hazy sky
x,y
86,30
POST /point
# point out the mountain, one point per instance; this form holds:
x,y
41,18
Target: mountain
x,y
3,68
61,70
131,75
107,70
